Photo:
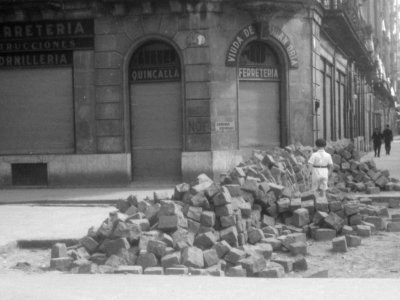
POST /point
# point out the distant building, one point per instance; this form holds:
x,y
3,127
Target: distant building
x,y
113,91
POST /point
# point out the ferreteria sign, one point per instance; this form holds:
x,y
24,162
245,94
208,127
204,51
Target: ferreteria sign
x,y
262,31
257,73
45,42
151,74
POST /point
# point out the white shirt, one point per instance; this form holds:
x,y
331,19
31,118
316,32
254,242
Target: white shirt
x,y
322,159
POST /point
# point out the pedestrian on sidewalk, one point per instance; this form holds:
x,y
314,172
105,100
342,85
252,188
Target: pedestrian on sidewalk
x,y
321,164
388,138
377,141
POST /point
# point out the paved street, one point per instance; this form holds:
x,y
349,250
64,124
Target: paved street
x,y
37,222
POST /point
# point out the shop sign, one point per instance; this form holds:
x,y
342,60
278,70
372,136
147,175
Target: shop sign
x,y
235,47
267,30
46,36
198,125
151,74
40,59
255,73
278,34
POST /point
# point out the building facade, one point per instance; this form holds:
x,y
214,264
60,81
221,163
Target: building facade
x,y
117,91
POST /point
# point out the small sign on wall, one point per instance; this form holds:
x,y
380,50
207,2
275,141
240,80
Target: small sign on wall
x,y
222,126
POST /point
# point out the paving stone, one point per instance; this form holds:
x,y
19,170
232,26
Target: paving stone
x,y
199,200
353,240
298,248
115,261
319,217
129,270
170,260
309,205
158,248
222,248
272,270
293,238
355,220
267,221
324,234
283,205
224,210
300,264
318,274
207,218
89,243
176,271
193,226
321,204
230,235
98,258
205,240
192,257
393,227
236,271
210,257
333,221
233,189
383,212
234,255
347,230
168,223
253,264
393,203
301,217
286,263
351,209
378,222
154,271
274,242
363,230
228,221
147,260
114,246
295,204
61,263
59,250
339,244
169,208
194,213
254,235
222,198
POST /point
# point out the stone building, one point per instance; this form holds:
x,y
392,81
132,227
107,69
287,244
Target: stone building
x,y
117,91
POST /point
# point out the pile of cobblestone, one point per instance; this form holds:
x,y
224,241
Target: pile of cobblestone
x,y
255,222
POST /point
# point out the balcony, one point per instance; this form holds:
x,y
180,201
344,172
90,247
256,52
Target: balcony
x,y
344,24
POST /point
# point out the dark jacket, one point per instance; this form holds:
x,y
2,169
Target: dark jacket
x,y
377,138
387,135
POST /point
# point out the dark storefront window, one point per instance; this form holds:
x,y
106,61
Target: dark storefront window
x,y
328,104
340,101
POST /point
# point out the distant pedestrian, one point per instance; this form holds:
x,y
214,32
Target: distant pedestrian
x,y
321,163
388,138
377,141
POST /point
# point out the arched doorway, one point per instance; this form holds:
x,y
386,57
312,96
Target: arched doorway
x,y
259,76
156,112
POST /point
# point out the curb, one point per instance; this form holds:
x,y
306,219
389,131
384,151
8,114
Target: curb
x,y
107,202
44,244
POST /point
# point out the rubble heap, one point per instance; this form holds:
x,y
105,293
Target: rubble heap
x,y
255,222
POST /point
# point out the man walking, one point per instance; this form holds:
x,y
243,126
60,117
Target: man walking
x,y
388,138
377,141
